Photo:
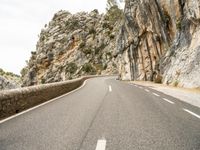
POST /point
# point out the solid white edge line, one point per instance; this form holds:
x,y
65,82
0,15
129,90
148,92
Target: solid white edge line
x,y
110,88
147,90
101,144
156,94
192,113
168,101
49,101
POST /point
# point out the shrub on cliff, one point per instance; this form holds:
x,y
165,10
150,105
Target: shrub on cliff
x,y
71,68
114,14
88,68
87,51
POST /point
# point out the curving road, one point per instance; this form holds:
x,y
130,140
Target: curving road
x,y
106,114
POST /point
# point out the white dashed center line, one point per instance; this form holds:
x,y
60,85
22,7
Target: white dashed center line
x,y
156,94
168,101
110,88
101,145
192,113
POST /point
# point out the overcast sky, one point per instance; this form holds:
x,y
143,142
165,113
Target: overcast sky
x,y
21,22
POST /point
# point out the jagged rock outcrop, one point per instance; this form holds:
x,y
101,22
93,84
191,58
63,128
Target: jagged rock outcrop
x,y
72,45
159,41
9,80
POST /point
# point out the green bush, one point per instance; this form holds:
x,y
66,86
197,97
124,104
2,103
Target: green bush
x,y
82,44
98,49
72,24
158,79
112,36
24,71
114,65
33,52
88,68
42,38
71,68
70,78
178,24
105,25
92,31
42,81
105,67
176,82
87,51
109,54
114,14
1,72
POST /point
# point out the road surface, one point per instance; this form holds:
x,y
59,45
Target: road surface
x,y
106,114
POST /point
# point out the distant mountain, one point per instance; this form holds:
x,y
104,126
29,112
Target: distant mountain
x,y
9,80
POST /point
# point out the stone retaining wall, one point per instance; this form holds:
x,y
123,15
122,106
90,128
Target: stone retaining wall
x,y
17,100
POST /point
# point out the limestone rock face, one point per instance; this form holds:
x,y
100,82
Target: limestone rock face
x,y
159,41
181,65
143,39
153,40
72,45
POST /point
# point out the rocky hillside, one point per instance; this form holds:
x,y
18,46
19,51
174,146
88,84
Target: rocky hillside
x,y
72,45
9,80
159,41
153,40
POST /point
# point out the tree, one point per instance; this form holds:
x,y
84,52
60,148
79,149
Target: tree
x,y
111,3
114,14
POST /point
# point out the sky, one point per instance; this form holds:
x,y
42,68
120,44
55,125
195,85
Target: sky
x,y
21,22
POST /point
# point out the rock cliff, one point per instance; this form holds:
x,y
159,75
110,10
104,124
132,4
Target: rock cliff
x,y
9,80
153,40
159,41
6,84
72,45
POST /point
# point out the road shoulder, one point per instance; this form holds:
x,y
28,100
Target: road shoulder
x,y
191,96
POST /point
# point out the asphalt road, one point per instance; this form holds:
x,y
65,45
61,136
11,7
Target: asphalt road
x,y
106,114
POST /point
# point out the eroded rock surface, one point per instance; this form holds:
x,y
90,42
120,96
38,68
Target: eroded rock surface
x,y
159,41
153,40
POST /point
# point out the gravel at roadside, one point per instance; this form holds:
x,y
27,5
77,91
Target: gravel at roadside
x,y
191,96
